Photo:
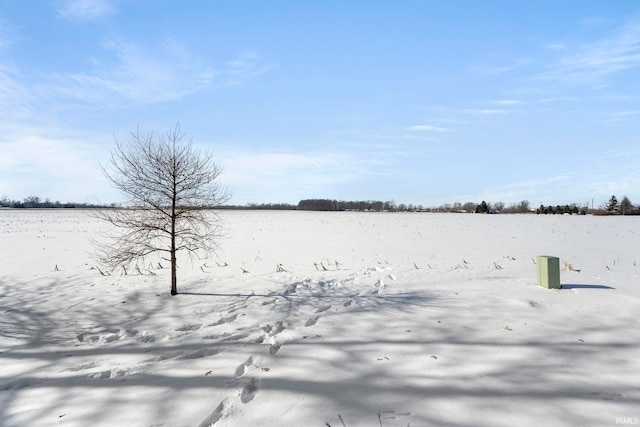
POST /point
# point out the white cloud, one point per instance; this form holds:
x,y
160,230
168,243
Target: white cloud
x,y
18,103
140,75
480,111
86,10
557,99
620,117
556,46
506,102
426,128
593,63
627,113
586,177
63,168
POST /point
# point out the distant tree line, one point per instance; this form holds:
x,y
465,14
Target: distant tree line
x,y
561,210
33,202
484,207
341,205
611,207
261,207
615,207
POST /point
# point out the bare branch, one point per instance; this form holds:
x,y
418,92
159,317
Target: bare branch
x,y
170,187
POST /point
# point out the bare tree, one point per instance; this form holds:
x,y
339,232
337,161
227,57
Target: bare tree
x,y
626,206
171,187
524,206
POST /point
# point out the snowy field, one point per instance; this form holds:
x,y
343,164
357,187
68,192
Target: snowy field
x,y
377,319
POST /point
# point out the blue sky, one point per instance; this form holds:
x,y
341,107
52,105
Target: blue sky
x,y
419,102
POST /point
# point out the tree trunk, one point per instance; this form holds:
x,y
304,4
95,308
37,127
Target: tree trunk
x,y
174,195
174,267
174,278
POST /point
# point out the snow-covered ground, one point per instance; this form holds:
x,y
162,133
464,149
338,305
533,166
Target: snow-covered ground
x,y
377,319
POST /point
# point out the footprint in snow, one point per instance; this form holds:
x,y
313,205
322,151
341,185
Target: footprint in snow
x,y
114,373
199,354
274,348
235,337
243,367
221,410
84,366
273,330
323,309
311,321
188,328
224,320
104,336
250,390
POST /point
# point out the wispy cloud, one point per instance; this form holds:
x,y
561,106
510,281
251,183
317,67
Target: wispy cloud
x,y
595,62
557,99
7,36
140,75
610,172
556,46
506,102
19,105
425,128
620,117
489,69
55,166
486,111
85,10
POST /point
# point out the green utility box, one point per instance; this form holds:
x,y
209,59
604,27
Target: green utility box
x,y
549,272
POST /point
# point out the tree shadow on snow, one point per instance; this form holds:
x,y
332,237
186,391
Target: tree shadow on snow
x,y
431,365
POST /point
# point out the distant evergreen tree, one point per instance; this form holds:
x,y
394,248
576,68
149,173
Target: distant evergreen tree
x,y
612,205
482,207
